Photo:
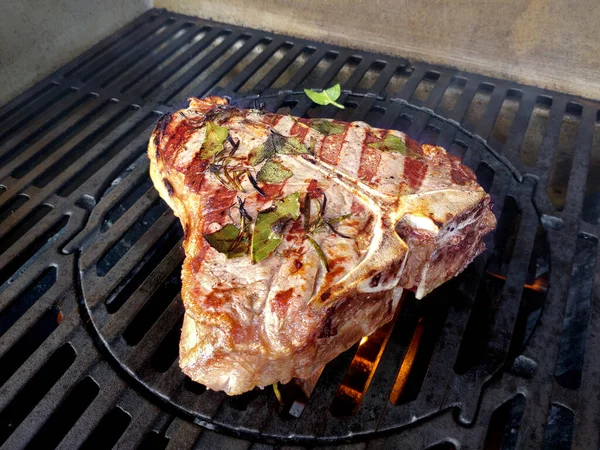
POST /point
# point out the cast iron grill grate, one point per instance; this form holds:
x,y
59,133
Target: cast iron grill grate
x,y
90,257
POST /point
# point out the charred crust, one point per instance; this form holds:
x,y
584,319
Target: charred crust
x,y
329,329
325,296
375,280
169,187
160,129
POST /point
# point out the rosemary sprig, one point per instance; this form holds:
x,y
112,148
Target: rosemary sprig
x,y
319,223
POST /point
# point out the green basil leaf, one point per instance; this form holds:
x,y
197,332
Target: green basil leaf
x,y
289,145
320,98
391,143
213,141
334,92
276,143
223,240
326,127
273,172
261,153
267,234
326,97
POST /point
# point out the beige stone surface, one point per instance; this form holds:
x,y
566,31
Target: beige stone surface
x,y
39,36
548,43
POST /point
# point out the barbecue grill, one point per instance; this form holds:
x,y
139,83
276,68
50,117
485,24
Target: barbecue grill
x,y
90,258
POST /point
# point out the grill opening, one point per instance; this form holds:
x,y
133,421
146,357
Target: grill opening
x,y
109,430
532,143
559,428
558,181
154,441
504,424
478,105
35,389
15,310
65,416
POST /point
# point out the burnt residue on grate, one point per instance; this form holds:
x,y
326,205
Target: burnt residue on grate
x,y
90,257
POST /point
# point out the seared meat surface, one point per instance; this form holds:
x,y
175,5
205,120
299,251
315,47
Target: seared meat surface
x,y
301,234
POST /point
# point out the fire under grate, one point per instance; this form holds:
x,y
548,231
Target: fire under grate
x,y
500,357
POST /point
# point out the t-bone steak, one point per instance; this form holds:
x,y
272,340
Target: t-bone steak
x,y
300,235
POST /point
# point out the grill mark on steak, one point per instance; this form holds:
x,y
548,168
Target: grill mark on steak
x,y
370,157
332,146
414,172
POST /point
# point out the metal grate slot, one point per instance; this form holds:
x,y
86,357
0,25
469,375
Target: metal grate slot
x,y
154,441
36,247
506,117
452,94
430,135
577,314
591,202
403,122
398,80
505,422
109,430
532,143
485,175
558,180
19,306
372,75
66,415
458,150
425,87
533,297
168,350
11,206
418,356
35,389
559,428
478,105
489,295
153,308
194,388
117,211
130,237
29,342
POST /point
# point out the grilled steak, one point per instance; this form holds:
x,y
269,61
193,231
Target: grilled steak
x,y
300,235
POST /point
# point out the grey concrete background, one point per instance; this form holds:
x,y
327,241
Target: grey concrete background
x,y
548,43
39,36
